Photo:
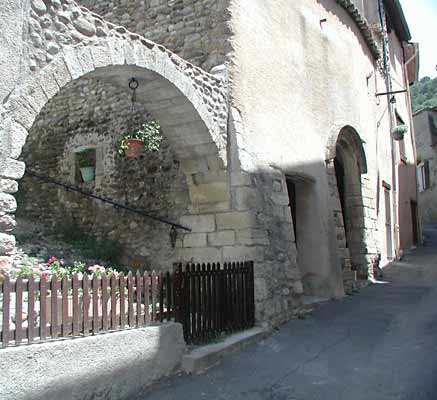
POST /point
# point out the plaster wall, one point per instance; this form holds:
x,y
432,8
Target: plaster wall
x,y
112,366
404,151
297,83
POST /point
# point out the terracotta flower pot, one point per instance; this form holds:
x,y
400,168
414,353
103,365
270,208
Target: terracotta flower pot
x,y
398,135
134,147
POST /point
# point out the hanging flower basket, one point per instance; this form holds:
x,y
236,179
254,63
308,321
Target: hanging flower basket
x,y
147,138
399,131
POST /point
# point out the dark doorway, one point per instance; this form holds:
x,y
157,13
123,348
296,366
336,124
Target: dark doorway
x,y
349,165
291,187
388,230
414,222
339,175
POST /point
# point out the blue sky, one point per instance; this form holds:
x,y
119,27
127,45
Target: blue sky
x,y
421,16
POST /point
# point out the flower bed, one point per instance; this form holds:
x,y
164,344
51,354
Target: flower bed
x,y
58,267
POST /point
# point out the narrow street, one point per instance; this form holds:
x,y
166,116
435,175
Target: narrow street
x,y
378,345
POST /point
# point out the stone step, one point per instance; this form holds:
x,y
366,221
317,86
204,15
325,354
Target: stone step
x,y
202,358
311,302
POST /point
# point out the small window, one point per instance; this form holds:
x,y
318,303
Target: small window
x,y
423,176
85,165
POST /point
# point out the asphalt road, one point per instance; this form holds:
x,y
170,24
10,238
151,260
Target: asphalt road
x,y
380,344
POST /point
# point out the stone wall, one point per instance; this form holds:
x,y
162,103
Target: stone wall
x,y
198,31
92,114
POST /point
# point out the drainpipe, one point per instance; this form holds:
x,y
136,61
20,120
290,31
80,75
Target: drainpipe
x,y
389,85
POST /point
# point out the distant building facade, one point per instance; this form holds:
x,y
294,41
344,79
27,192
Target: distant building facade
x,y
425,129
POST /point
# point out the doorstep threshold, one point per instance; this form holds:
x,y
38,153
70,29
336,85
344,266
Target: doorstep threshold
x,y
202,358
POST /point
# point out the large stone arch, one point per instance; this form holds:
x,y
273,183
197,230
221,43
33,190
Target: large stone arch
x,y
346,163
67,42
349,137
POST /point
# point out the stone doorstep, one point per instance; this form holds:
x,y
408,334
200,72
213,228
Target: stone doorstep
x,y
202,358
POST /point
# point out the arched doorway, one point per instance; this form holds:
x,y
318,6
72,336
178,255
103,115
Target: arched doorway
x,y
349,165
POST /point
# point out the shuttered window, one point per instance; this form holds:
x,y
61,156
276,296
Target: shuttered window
x,y
423,176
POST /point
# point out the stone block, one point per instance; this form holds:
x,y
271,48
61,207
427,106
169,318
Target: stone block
x,y
60,72
297,288
279,198
12,138
199,223
235,220
198,150
84,26
245,198
35,94
7,243
48,83
8,186
8,203
195,240
252,237
85,58
190,166
117,51
243,253
72,62
7,223
22,112
240,179
209,207
101,56
214,192
261,290
10,168
201,254
224,238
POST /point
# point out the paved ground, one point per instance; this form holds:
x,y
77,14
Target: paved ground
x,y
378,345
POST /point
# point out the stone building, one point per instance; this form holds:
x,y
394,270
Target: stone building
x,y
425,130
277,146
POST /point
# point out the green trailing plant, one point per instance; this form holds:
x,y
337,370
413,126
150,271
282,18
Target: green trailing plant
x,y
149,134
400,129
86,158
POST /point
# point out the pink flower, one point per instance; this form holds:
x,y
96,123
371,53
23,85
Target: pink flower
x,y
51,260
44,274
61,261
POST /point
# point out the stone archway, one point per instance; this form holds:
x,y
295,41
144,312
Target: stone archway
x,y
67,42
346,164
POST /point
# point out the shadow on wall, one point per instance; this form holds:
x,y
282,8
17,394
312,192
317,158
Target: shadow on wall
x,y
301,212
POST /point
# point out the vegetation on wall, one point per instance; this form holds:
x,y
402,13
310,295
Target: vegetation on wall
x,y
424,93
